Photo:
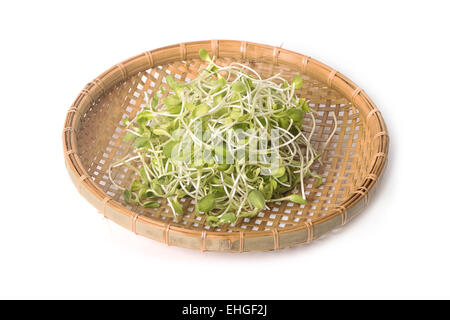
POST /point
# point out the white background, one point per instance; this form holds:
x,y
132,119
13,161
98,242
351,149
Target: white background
x,y
53,244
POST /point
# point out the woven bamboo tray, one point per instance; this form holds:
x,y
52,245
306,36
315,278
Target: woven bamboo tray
x,y
352,163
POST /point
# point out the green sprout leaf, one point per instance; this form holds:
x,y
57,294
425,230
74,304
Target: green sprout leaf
x,y
304,105
161,132
296,198
151,204
141,142
174,109
171,100
129,136
143,117
212,220
279,172
169,148
204,55
171,82
136,185
250,214
207,203
256,199
318,177
238,87
125,121
296,115
127,195
298,82
228,218
143,175
155,101
200,110
176,206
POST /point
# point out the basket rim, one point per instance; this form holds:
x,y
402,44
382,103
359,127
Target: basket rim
x,y
132,66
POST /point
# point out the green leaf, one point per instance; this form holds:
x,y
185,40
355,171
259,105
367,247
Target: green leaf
x,y
274,184
219,191
204,55
161,132
142,194
318,177
256,199
215,180
228,120
143,175
217,99
235,114
127,195
136,185
156,187
167,149
143,117
151,204
238,87
250,214
189,106
296,198
200,110
171,82
141,142
176,206
296,115
284,178
267,191
244,117
279,172
181,193
223,166
155,101
228,180
212,220
228,218
129,136
304,105
174,109
298,82
171,100
125,121
284,122
276,106
207,203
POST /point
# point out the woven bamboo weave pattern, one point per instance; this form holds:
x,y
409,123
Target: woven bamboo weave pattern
x,y
351,164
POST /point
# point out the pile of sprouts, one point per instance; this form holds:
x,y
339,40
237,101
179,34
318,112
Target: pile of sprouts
x,y
228,139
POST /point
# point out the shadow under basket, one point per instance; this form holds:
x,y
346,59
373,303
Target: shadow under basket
x,y
351,164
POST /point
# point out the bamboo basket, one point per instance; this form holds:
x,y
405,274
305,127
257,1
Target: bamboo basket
x,y
352,163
